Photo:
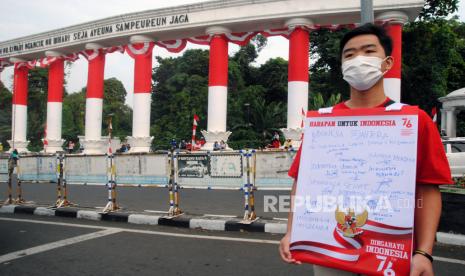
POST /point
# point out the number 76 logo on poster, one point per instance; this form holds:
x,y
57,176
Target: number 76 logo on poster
x,y
406,122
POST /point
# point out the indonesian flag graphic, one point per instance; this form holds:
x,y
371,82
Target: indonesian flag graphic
x,y
356,240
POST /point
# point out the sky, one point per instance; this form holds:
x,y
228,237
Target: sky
x,y
22,18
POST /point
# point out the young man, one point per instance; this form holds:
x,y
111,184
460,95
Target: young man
x,y
365,54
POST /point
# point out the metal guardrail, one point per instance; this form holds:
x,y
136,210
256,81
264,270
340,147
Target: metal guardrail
x,y
211,170
4,169
239,170
271,168
205,170
86,169
142,169
37,168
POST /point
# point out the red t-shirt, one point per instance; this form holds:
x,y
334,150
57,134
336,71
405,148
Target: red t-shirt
x,y
432,165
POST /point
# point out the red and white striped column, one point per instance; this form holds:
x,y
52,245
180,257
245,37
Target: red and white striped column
x,y
298,77
217,88
19,108
140,50
392,78
56,74
93,142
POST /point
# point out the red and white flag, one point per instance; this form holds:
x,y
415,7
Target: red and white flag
x,y
45,136
302,124
110,128
194,128
302,112
434,114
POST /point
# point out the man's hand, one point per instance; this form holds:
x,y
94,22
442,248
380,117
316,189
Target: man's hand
x,y
421,266
284,250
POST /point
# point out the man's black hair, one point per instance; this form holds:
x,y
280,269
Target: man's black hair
x,y
369,29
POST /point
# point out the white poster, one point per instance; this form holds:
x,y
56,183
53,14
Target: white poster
x,y
355,194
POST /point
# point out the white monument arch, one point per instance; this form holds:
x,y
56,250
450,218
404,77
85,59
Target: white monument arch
x,y
216,24
452,104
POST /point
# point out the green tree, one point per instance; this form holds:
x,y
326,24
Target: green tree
x,y
267,118
317,101
114,106
37,107
5,115
74,107
435,66
180,90
325,72
438,8
273,76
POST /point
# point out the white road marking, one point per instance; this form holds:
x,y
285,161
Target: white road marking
x,y
145,231
156,211
220,216
53,245
449,260
112,230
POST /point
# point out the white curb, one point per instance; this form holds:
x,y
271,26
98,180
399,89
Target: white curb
x,y
8,209
276,228
453,239
208,224
143,219
90,215
42,211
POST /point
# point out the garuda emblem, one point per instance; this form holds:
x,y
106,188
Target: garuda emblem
x,y
350,224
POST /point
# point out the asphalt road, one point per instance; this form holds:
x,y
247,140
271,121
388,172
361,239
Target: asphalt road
x,y
155,251
194,201
31,245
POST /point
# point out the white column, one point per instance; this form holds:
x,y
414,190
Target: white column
x,y
443,119
298,78
19,107
392,78
140,49
54,103
451,123
92,141
217,89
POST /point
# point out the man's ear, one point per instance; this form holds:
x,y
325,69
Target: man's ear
x,y
388,63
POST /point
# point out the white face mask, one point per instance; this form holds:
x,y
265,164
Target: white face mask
x,y
362,72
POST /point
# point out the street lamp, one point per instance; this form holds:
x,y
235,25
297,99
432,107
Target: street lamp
x,y
366,11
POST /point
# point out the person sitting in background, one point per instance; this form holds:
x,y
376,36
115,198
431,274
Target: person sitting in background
x,y
70,146
275,143
123,148
288,144
216,146
173,144
182,145
12,161
222,145
276,136
202,141
1,147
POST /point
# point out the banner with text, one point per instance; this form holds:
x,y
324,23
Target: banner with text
x,y
355,194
